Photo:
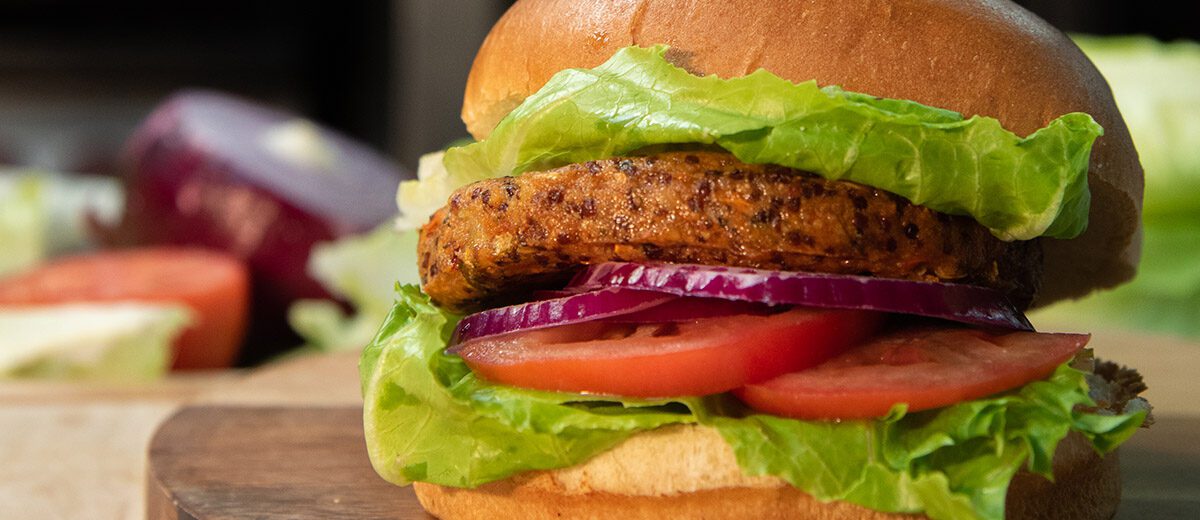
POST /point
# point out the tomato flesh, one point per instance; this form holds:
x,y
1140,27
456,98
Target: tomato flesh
x,y
925,368
698,357
214,286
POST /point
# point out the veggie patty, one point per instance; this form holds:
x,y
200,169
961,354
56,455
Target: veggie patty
x,y
498,239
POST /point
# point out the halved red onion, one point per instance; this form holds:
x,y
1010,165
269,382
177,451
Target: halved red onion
x,y
215,171
565,310
955,302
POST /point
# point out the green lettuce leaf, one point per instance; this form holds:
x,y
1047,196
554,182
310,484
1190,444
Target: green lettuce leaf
x,y
418,199
361,269
43,214
22,227
427,418
119,342
1020,188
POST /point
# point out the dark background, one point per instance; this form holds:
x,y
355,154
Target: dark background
x,y
75,78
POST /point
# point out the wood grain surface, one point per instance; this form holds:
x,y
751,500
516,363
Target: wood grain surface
x,y
71,450
222,462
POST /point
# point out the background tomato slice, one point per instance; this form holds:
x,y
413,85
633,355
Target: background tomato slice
x,y
926,368
213,285
698,357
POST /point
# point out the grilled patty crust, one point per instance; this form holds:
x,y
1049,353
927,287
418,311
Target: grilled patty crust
x,y
498,239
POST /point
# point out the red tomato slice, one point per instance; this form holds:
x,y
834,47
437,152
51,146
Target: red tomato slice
x,y
700,357
213,285
926,368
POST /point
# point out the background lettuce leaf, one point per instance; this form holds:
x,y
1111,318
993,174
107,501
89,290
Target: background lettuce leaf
x,y
1154,85
22,228
420,198
119,342
361,269
1020,188
43,214
428,418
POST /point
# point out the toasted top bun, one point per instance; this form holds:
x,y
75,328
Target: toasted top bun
x,y
690,472
985,57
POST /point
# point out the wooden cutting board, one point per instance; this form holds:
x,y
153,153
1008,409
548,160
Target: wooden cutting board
x,y
217,462
226,462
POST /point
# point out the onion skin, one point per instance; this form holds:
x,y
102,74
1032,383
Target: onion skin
x,y
967,304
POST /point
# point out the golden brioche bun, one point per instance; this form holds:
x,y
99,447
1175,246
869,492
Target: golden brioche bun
x,y
685,472
986,57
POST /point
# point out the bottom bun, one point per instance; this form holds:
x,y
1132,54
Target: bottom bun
x,y
688,472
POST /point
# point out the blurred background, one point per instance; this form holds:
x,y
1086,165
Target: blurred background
x,y
380,83
75,78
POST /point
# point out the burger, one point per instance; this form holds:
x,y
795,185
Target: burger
x,y
763,260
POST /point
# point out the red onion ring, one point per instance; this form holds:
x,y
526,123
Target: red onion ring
x,y
565,310
955,302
